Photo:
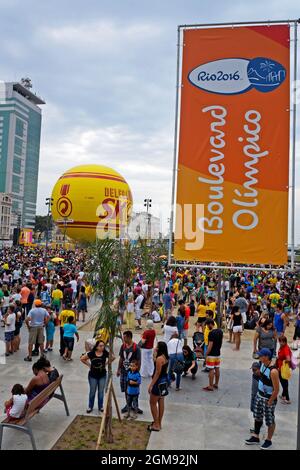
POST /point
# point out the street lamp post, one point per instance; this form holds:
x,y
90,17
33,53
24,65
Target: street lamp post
x,y
147,204
49,204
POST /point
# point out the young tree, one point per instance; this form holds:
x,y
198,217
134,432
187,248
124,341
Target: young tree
x,y
101,264
110,268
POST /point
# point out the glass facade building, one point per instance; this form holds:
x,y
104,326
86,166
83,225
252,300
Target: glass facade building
x,y
20,132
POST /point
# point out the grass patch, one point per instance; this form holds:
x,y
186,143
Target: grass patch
x,y
82,434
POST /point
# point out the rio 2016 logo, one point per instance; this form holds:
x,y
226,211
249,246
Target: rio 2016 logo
x,y
236,75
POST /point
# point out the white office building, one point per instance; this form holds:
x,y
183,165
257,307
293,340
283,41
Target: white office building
x,y
144,225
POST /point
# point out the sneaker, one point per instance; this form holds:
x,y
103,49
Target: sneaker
x,y
252,441
7,354
50,349
266,445
139,411
125,409
46,350
101,410
89,410
28,359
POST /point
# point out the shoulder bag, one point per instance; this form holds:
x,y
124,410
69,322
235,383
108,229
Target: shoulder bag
x,y
178,367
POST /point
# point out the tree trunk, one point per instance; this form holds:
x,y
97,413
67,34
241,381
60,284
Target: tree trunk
x,y
108,420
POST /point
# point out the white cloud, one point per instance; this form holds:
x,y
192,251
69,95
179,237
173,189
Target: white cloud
x,y
106,35
144,161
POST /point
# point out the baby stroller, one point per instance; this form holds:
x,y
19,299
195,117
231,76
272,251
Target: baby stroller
x,y
198,343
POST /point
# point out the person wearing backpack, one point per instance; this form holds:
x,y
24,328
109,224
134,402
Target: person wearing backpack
x,y
129,351
139,305
265,400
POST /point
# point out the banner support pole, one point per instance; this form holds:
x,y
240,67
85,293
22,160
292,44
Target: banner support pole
x,y
175,149
294,149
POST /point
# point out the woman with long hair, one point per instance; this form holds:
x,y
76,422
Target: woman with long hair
x,y
190,362
82,304
158,387
265,337
96,360
237,327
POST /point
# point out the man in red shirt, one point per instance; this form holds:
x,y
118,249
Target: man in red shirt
x,y
147,342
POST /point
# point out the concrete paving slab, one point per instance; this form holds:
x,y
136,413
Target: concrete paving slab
x,y
193,419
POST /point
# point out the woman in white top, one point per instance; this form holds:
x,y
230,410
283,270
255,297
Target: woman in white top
x,y
169,329
175,356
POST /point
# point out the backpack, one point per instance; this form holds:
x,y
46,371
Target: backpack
x,y
127,356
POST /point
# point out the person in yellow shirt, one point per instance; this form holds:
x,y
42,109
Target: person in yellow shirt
x,y
274,298
88,292
209,314
175,290
201,313
63,318
57,297
212,306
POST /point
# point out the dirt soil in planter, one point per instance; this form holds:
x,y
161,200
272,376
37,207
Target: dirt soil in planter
x,y
82,434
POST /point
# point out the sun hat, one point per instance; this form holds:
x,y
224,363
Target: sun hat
x,y
265,352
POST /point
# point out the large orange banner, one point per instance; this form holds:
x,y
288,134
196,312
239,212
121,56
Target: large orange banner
x,y
233,161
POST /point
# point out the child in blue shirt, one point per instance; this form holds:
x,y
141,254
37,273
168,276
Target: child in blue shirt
x,y
70,330
133,389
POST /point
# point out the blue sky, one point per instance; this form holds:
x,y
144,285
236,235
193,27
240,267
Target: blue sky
x,y
107,71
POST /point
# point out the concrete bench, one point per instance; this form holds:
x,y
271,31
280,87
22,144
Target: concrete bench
x,y
33,407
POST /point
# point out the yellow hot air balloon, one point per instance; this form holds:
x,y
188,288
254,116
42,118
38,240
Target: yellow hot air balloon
x,y
91,201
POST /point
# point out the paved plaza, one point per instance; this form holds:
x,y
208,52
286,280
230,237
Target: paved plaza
x,y
193,419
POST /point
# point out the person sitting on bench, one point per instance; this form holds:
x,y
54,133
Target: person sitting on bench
x,y
15,406
39,382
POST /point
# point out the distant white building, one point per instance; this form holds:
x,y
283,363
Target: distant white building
x,y
144,225
5,219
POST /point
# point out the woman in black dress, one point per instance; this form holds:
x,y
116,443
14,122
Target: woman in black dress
x,y
158,387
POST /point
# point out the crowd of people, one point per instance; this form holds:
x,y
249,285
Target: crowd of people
x,y
183,317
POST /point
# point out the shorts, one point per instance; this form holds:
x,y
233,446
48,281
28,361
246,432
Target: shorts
x,y
244,317
56,307
262,410
184,334
237,329
213,362
69,343
8,336
201,320
155,389
36,335
138,314
17,332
